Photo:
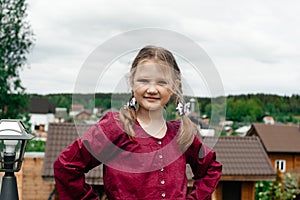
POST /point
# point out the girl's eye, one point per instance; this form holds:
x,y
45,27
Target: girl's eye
x,y
142,80
162,82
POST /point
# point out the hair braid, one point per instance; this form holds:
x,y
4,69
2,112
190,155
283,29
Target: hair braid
x,y
128,118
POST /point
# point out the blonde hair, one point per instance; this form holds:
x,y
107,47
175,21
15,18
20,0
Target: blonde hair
x,y
128,113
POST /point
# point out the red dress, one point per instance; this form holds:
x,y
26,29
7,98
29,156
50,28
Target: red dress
x,y
141,168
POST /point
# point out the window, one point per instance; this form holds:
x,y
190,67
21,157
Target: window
x,y
280,165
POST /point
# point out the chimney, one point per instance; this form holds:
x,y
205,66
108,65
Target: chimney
x,y
193,105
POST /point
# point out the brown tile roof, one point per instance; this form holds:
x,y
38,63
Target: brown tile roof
x,y
77,107
243,158
61,135
41,105
278,137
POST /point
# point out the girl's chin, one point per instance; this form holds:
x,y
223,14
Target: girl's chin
x,y
153,107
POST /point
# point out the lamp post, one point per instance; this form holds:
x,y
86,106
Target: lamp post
x,y
13,140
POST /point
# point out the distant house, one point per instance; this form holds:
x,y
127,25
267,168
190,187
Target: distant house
x,y
41,113
203,127
244,161
226,123
282,143
75,109
61,115
97,112
207,132
242,131
203,122
83,115
268,120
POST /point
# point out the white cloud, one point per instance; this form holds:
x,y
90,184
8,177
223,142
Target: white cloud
x,y
254,45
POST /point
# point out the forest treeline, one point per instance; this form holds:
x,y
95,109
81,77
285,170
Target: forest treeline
x,y
240,108
253,107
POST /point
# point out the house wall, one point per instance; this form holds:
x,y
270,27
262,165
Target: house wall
x,y
31,186
38,119
297,163
292,161
34,187
248,190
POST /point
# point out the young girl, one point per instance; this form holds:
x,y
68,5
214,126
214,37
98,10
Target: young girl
x,y
144,156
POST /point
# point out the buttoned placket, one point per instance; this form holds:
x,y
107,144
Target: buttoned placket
x,y
161,170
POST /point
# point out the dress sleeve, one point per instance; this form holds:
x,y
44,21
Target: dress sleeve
x,y
207,171
85,153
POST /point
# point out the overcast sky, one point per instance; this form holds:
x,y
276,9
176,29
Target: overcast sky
x,y
254,45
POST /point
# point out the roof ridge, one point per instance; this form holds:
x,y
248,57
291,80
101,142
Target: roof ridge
x,y
262,147
277,124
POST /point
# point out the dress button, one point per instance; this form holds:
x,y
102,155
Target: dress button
x,y
163,195
161,169
160,156
159,142
162,182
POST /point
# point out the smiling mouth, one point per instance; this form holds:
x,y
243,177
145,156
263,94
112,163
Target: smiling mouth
x,y
152,98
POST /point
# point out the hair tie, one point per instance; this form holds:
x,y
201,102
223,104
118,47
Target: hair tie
x,y
183,109
132,103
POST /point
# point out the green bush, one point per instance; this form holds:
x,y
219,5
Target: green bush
x,y
285,187
36,146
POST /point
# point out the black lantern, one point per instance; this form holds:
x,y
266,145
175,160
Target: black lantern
x,y
13,140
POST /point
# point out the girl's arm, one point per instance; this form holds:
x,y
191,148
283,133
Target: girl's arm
x,y
96,146
69,169
207,171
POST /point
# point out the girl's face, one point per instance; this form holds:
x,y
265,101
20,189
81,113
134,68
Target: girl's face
x,y
152,84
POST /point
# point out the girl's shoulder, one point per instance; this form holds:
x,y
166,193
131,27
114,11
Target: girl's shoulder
x,y
174,124
109,116
111,122
108,128
109,125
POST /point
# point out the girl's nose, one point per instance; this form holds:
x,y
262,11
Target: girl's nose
x,y
152,89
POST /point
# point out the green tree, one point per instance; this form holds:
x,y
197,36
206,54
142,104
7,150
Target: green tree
x,y
255,110
285,187
236,110
61,100
16,39
244,109
171,111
